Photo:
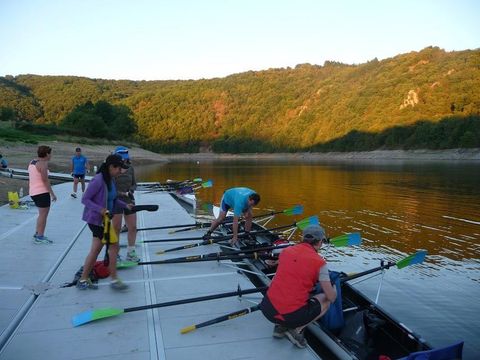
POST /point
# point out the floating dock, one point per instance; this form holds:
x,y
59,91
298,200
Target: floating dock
x,y
36,313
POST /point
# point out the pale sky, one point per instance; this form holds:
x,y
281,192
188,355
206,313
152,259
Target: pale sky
x,y
188,39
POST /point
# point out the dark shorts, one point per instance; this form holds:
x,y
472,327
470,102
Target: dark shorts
x,y
295,319
125,211
79,176
41,200
97,231
224,206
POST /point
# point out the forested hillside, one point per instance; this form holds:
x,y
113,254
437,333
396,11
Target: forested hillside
x,y
426,99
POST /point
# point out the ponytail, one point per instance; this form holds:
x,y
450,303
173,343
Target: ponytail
x,y
103,169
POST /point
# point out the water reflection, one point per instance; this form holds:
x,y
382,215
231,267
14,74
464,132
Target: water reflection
x,y
398,207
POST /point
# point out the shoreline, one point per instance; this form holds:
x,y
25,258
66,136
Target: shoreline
x,y
19,155
380,155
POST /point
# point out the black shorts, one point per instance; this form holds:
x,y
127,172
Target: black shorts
x,y
125,211
41,200
295,319
79,176
97,231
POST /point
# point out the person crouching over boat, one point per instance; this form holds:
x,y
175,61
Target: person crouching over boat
x,y
241,200
288,302
100,198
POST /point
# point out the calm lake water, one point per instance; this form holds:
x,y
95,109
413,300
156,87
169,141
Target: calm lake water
x,y
398,207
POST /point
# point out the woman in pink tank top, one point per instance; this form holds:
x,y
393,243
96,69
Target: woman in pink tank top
x,y
41,191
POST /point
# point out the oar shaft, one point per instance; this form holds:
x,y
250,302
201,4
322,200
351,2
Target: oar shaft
x,y
197,299
366,272
222,318
211,258
166,227
219,238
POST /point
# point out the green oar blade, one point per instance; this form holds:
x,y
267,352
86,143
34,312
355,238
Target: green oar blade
x,y
346,240
197,180
413,259
207,184
296,210
92,315
312,220
126,264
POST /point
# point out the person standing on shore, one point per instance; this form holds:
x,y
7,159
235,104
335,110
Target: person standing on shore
x,y
126,186
241,200
79,167
3,162
100,199
289,302
40,191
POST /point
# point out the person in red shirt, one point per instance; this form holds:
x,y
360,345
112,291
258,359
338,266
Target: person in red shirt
x,y
289,302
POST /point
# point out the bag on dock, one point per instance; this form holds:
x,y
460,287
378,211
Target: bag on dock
x,y
99,271
13,199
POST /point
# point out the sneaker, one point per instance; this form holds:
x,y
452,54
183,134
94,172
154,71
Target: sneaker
x,y
279,331
118,285
124,229
132,256
119,258
40,239
86,284
73,195
297,338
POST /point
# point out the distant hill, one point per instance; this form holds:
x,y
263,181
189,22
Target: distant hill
x,y
427,99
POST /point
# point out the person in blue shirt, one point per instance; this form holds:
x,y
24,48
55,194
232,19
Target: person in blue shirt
x,y
79,167
3,162
240,200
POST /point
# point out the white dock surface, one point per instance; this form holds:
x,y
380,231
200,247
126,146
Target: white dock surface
x,y
35,313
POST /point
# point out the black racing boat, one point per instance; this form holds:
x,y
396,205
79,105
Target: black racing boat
x,y
366,332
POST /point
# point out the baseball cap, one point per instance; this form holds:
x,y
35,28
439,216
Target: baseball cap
x,y
115,160
78,149
122,151
313,233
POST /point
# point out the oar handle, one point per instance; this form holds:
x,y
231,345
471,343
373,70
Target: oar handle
x,y
222,318
197,299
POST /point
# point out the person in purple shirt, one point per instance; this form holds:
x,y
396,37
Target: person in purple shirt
x,y
240,200
99,199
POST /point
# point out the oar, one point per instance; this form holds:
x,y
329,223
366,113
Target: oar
x,y
97,314
295,210
232,315
412,259
254,255
312,220
185,188
166,227
345,240
302,224
171,183
416,258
